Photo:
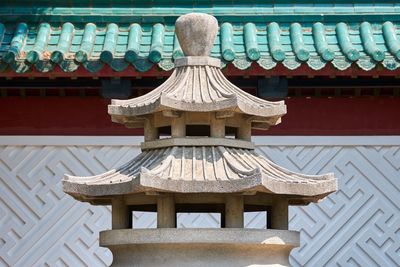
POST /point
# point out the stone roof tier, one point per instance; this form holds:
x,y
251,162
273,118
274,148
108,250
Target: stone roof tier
x,y
200,169
196,85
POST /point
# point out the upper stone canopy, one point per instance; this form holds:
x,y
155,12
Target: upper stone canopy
x,y
197,83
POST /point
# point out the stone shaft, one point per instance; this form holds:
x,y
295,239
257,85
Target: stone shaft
x,y
200,247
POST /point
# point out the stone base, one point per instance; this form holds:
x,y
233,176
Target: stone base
x,y
200,247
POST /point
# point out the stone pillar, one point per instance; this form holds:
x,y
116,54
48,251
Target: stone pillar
x,y
279,216
178,127
217,127
150,132
234,209
166,212
120,213
244,131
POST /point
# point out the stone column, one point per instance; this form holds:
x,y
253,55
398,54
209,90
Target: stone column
x,y
217,127
166,216
279,216
234,209
178,127
150,132
120,213
244,131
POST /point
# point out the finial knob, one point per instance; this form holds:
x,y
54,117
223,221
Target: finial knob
x,y
196,33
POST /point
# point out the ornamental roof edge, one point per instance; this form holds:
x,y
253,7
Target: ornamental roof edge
x,y
69,47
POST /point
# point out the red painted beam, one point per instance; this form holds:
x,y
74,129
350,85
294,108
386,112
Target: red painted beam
x,y
306,116
340,116
58,116
230,70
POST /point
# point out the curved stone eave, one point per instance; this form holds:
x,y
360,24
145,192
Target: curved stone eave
x,y
197,89
234,103
166,103
220,104
201,169
301,190
277,111
256,122
146,182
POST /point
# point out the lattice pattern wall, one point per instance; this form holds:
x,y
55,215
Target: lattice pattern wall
x,y
357,226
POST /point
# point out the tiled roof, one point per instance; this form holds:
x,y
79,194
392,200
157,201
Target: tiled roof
x,y
44,46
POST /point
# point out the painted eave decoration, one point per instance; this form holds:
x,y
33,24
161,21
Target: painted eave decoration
x,y
43,46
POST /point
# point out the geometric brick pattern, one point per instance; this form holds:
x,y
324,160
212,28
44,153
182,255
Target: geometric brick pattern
x,y
359,225
42,226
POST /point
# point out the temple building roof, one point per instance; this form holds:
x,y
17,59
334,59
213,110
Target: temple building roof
x,y
241,41
200,169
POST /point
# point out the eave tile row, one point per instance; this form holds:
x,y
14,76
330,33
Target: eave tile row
x,y
44,46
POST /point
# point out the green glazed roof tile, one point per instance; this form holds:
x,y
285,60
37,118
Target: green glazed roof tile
x,y
166,11
93,46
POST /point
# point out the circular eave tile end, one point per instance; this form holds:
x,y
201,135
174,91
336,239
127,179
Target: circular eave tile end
x,y
81,56
378,56
106,56
278,55
56,57
228,55
353,55
328,55
303,55
32,57
253,54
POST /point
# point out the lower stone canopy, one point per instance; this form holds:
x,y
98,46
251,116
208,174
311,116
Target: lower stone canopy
x,y
195,169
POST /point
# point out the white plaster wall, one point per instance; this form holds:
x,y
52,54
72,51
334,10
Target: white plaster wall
x,y
357,226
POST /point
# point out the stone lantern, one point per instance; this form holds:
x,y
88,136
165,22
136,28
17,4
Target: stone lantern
x,y
199,169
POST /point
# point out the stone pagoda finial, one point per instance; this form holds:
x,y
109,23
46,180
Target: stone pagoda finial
x,y
196,33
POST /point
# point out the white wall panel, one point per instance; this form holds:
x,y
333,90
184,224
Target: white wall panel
x,y
357,226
